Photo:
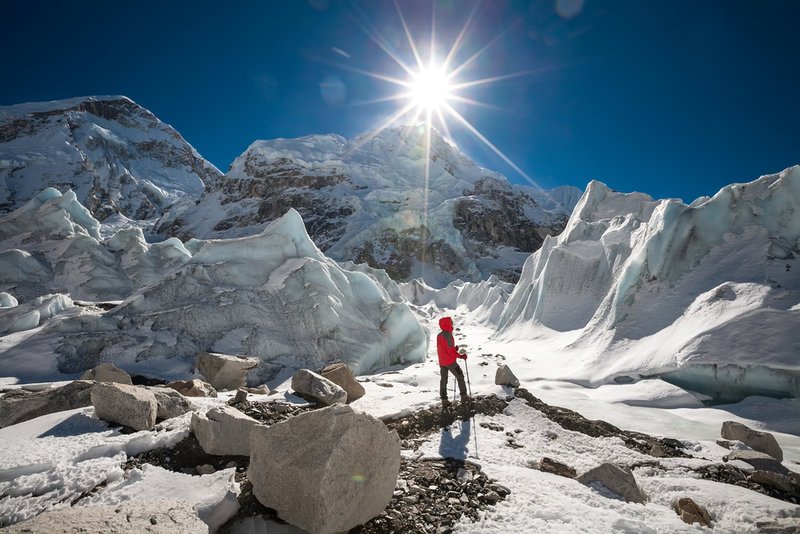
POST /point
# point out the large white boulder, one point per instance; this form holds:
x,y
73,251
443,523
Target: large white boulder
x,y
131,406
225,372
340,374
311,385
153,517
107,372
170,402
756,440
223,431
326,470
617,479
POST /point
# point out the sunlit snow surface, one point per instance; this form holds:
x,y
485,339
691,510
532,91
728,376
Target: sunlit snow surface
x,y
633,290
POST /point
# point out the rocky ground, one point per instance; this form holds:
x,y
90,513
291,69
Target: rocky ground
x,y
433,495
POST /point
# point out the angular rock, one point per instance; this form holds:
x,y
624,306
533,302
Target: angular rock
x,y
170,402
241,396
131,406
548,465
153,517
340,374
263,389
773,480
759,460
19,405
325,470
193,388
107,372
755,439
505,377
691,512
225,372
223,431
620,480
311,385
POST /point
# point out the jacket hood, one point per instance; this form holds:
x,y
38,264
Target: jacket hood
x,y
446,324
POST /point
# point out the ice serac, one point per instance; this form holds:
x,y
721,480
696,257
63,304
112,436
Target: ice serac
x,y
52,244
368,200
273,296
117,156
705,294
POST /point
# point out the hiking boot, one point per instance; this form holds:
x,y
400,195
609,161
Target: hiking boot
x,y
445,402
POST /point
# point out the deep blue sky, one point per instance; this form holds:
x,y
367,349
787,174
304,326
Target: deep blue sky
x,y
672,98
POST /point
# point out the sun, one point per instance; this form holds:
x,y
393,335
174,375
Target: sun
x,y
430,89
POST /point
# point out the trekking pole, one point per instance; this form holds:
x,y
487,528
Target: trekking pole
x,y
469,385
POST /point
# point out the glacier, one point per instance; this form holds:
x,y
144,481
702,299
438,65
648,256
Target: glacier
x,y
273,295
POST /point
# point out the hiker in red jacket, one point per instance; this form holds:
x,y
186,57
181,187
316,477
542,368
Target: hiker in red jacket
x,y
448,352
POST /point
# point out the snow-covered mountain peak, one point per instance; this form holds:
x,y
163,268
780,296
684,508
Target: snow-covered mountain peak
x,y
117,156
380,199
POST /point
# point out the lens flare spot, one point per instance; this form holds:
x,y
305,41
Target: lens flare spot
x,y
357,478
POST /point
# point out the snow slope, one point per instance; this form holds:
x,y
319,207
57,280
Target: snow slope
x,y
117,156
367,200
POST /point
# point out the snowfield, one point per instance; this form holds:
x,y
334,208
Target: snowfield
x,y
655,316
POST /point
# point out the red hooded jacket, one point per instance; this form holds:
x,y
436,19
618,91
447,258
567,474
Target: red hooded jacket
x,y
445,344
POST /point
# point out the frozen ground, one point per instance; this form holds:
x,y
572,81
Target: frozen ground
x,y
57,459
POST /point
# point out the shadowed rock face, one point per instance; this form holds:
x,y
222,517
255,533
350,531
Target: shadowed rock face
x,y
491,213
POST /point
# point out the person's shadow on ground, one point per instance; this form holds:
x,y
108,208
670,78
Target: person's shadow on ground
x,y
455,446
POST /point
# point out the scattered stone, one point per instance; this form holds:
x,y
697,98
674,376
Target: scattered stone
x,y
756,440
548,465
340,374
691,512
773,480
131,406
224,431
241,396
783,525
505,377
263,389
205,469
310,385
193,388
759,460
326,470
107,372
620,480
725,444
154,516
170,402
19,405
225,372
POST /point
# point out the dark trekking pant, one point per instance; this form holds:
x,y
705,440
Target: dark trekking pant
x,y
459,374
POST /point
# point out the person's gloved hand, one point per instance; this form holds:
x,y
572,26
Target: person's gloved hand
x,y
462,355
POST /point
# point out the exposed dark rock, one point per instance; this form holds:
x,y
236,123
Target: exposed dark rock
x,y
691,512
570,420
548,465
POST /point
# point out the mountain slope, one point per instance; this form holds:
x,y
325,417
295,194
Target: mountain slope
x,y
367,200
117,156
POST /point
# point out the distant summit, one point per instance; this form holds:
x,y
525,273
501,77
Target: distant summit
x,y
117,156
367,200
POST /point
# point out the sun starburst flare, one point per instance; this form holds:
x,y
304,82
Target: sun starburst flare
x,y
431,88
